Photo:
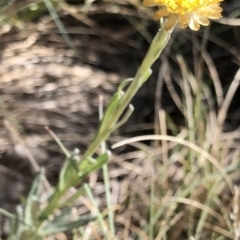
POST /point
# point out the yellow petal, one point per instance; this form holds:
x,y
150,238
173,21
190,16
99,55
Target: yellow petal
x,y
194,25
203,21
162,12
187,13
170,22
149,3
182,25
213,12
184,19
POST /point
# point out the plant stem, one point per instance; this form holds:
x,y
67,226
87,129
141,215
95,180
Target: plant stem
x,y
159,42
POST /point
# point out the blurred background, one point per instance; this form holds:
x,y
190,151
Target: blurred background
x,y
58,57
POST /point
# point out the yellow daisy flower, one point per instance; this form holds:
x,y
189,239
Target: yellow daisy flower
x,y
192,13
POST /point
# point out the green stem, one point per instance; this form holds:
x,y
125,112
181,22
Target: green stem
x,y
106,180
159,42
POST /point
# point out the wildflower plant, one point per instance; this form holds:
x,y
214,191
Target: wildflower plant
x,y
184,13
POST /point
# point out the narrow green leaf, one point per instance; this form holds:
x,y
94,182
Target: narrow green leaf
x,y
86,166
7,214
58,141
32,197
110,111
17,224
124,83
28,235
64,217
69,169
62,175
62,226
80,192
60,25
125,117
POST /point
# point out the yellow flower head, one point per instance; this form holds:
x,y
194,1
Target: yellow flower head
x,y
192,13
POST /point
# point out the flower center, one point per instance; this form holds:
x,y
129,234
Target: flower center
x,y
183,6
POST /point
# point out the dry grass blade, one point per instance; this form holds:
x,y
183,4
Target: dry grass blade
x,y
196,204
228,99
182,142
236,212
229,21
215,77
172,222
